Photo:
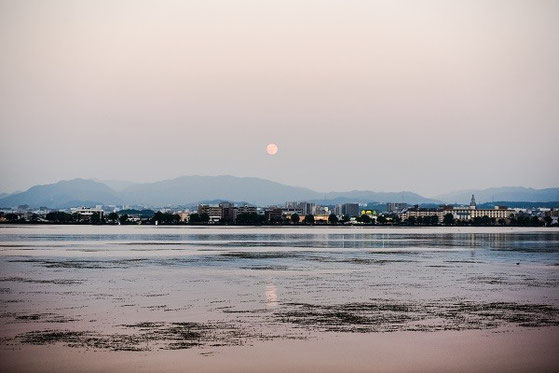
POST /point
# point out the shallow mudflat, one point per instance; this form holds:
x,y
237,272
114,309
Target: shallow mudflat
x,y
232,298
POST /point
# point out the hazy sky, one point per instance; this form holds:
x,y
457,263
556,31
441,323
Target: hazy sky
x,y
428,96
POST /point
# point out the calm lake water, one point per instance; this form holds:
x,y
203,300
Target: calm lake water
x,y
140,298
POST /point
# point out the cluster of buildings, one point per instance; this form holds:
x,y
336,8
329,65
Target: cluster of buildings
x,y
225,211
228,212
350,213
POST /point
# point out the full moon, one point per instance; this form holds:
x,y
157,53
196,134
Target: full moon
x,y
272,149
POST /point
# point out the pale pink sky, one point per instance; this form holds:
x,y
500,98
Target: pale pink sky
x,y
429,96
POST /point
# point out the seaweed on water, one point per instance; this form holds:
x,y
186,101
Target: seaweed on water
x,y
262,254
45,317
384,315
366,261
83,264
39,281
144,336
267,268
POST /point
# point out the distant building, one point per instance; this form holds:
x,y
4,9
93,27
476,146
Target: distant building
x,y
471,212
273,214
497,213
88,211
321,218
288,211
245,209
304,208
395,207
322,210
350,209
419,212
554,215
227,211
473,204
214,212
338,210
462,213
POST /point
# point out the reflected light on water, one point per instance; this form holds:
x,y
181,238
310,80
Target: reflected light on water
x,y
271,296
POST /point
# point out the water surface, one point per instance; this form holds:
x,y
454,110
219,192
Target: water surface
x,y
204,297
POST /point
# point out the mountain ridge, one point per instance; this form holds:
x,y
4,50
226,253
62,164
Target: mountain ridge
x,y
188,190
63,194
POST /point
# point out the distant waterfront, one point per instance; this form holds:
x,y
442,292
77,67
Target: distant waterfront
x,y
278,298
294,213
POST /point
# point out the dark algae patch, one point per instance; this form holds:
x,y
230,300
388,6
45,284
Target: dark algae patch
x,y
359,260
263,255
145,336
83,264
37,281
47,317
384,315
267,268
84,339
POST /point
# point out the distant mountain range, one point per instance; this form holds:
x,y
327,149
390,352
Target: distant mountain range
x,y
501,194
64,194
187,190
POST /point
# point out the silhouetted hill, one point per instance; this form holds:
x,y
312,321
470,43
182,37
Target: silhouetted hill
x,y
64,194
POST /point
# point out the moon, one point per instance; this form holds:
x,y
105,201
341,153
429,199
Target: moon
x,y
272,149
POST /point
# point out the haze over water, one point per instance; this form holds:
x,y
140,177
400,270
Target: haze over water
x,y
235,298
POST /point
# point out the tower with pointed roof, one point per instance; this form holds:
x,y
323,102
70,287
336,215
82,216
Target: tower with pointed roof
x,y
473,205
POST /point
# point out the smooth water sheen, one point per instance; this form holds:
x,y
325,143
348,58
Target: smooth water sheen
x,y
150,298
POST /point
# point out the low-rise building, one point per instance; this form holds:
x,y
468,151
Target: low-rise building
x,y
321,218
214,212
88,211
420,212
471,212
273,214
